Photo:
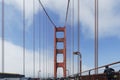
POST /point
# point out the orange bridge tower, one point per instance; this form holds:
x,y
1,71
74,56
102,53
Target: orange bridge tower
x,y
57,51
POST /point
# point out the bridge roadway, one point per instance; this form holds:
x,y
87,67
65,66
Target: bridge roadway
x,y
88,76
75,77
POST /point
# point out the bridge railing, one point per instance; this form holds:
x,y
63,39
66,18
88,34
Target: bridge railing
x,y
90,74
115,66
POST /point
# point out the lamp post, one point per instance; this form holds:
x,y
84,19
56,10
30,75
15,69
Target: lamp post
x,y
80,56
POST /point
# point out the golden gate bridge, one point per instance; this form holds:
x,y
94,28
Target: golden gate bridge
x,y
66,49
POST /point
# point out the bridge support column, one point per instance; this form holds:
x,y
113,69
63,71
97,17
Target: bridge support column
x,y
60,51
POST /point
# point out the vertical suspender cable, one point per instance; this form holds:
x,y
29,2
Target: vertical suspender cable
x,y
96,36
33,39
39,46
71,39
42,35
43,45
47,51
80,64
2,36
78,36
69,56
73,35
23,37
69,51
78,28
97,32
46,46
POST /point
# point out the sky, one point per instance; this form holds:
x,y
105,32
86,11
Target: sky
x,y
109,34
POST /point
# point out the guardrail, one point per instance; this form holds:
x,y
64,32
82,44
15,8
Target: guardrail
x,y
90,75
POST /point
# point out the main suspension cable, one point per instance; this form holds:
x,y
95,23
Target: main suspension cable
x,y
67,12
47,14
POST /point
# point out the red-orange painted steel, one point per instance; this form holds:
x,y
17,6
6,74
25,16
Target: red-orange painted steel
x,y
99,77
59,51
60,39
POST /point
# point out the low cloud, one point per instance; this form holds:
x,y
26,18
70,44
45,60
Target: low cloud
x,y
14,62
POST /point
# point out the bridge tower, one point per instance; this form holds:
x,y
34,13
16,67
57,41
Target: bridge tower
x,y
60,51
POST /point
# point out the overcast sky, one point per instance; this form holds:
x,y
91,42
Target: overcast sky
x,y
109,33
